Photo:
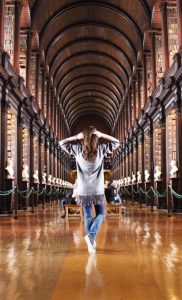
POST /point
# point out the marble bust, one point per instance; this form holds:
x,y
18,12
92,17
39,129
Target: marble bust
x,y
139,177
147,175
25,173
129,180
174,169
44,175
36,176
49,180
158,173
133,178
10,169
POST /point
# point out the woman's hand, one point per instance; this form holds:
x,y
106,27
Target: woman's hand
x,y
80,136
98,133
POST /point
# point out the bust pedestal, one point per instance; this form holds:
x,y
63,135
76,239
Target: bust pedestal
x,y
176,203
161,201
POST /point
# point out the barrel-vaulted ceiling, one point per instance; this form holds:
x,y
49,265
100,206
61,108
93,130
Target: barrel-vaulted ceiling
x,y
90,48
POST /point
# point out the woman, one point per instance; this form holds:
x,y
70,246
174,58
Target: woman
x,y
89,152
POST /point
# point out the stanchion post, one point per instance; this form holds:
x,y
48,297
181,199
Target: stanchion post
x,y
43,206
33,201
132,194
152,202
16,202
169,201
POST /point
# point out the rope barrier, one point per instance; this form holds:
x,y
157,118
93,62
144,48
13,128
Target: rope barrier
x,y
31,191
174,193
6,193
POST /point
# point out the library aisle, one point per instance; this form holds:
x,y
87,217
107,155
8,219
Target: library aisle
x,y
139,257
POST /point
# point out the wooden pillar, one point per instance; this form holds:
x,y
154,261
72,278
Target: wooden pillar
x,y
163,151
29,53
47,157
41,160
144,65
58,122
18,6
123,115
2,17
37,83
48,101
32,134
153,60
19,149
126,116
55,112
165,45
134,99
51,107
179,18
3,128
130,106
43,90
139,90
179,136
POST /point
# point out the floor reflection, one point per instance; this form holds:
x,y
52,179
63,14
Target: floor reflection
x,y
139,257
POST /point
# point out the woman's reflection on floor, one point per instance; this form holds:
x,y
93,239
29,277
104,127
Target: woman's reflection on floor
x,y
93,275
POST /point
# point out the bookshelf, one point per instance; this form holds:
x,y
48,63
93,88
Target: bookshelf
x,y
9,22
172,32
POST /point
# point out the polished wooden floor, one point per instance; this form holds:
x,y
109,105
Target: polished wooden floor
x,y
44,258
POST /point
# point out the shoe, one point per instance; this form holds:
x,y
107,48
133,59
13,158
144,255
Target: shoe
x,y
90,246
63,216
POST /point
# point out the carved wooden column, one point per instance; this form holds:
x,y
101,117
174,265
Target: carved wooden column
x,y
43,90
134,99
51,107
32,134
21,203
18,7
161,185
55,113
58,122
126,115
129,108
2,17
3,128
48,101
29,53
139,89
144,68
37,83
153,60
179,16
165,46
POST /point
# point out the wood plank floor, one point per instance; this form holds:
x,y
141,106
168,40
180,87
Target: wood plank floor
x,y
138,257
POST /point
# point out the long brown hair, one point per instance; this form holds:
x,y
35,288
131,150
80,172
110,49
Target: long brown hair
x,y
90,144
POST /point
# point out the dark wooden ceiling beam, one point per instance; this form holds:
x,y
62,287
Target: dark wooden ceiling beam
x,y
94,93
122,13
76,57
94,85
92,41
93,100
98,25
112,72
89,77
88,113
104,115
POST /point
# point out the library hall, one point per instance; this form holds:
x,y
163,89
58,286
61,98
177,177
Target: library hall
x,y
91,150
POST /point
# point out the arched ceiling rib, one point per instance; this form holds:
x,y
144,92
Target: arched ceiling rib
x,y
85,70
90,49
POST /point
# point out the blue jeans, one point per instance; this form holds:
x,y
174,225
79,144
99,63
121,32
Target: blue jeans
x,y
117,199
92,225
